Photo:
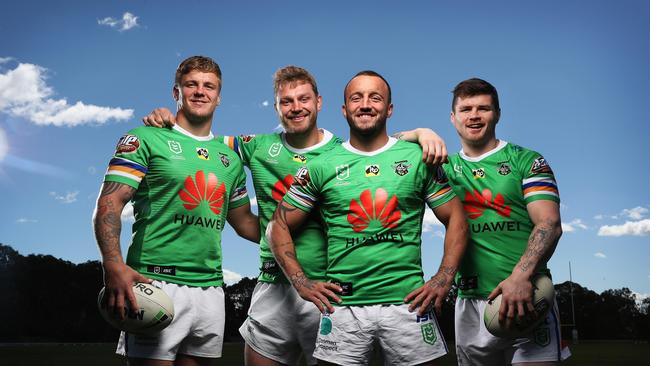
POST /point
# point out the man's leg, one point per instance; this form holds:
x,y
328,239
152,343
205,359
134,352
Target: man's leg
x,y
252,358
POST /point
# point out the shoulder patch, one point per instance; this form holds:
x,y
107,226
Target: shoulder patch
x,y
246,138
540,165
302,177
127,144
440,175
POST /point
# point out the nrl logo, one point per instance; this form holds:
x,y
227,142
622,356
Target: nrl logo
x,y
175,147
224,159
342,172
429,334
274,150
504,169
401,169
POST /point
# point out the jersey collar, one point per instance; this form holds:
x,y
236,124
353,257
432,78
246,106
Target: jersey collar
x,y
391,141
188,134
327,137
499,147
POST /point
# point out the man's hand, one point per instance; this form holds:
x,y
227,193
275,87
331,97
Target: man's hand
x,y
516,298
160,117
320,293
434,150
434,290
118,280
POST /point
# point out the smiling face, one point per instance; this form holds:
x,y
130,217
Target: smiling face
x,y
475,119
198,94
367,105
297,105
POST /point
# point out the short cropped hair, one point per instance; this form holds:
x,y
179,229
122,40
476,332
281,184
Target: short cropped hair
x,y
369,73
200,63
293,74
473,87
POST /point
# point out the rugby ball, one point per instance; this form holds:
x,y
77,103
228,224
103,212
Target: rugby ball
x,y
155,311
543,300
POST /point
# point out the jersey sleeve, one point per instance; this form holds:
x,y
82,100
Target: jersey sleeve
x,y
304,192
243,145
239,193
130,162
437,189
538,180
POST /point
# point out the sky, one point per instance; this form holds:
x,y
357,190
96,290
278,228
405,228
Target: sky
x,y
572,78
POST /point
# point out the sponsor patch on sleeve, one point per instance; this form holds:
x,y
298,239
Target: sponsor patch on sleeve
x,y
540,165
302,178
127,144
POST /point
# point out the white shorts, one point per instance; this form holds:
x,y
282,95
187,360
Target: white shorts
x,y
476,346
280,324
197,328
346,336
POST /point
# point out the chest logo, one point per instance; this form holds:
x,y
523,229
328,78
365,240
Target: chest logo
x,y
224,159
372,170
202,153
199,189
281,187
478,173
504,169
274,149
343,172
476,202
175,147
298,158
401,168
368,211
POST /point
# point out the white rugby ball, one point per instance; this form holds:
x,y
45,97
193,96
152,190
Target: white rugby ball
x,y
543,299
155,311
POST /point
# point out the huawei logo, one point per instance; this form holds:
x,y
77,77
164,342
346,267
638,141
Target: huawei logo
x,y
199,189
477,202
363,214
281,186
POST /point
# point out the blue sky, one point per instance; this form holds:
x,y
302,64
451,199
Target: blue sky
x,y
572,77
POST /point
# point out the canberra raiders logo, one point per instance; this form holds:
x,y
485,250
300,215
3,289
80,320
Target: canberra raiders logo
x,y
504,169
224,159
401,168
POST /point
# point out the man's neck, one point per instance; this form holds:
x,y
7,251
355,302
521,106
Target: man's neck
x,y
305,140
199,128
476,150
368,143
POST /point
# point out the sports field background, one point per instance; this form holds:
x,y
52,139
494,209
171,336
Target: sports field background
x,y
592,353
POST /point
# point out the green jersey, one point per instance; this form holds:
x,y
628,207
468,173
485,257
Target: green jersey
x,y
372,205
185,186
273,163
495,189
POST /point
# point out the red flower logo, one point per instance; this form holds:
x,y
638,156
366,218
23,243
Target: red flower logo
x,y
368,210
281,186
198,189
475,203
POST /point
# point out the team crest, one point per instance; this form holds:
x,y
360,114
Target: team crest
x,y
342,172
429,334
540,165
246,138
298,158
175,147
275,148
478,173
372,170
401,168
504,169
224,159
542,336
202,153
127,144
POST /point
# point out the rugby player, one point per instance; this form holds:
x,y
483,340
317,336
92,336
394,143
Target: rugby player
x,y
184,185
370,192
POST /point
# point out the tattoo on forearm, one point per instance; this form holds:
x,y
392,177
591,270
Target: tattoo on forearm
x,y
538,244
299,280
443,278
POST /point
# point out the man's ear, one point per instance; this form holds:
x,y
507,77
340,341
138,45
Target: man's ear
x,y
176,93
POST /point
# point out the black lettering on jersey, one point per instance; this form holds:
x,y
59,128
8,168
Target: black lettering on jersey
x,y
390,236
198,221
495,226
166,270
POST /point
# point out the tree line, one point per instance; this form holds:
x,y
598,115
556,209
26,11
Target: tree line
x,y
46,299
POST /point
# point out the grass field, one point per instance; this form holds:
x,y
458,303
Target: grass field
x,y
584,354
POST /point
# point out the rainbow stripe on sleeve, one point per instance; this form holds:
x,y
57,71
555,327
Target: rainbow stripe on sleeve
x,y
126,168
540,185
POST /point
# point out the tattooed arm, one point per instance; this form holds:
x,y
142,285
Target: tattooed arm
x,y
107,224
434,150
517,289
435,290
278,234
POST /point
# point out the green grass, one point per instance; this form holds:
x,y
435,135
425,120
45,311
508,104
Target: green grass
x,y
584,354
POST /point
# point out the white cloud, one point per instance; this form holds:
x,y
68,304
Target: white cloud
x,y
599,255
24,93
127,213
4,144
636,213
599,217
69,197
128,21
4,60
430,222
265,103
24,220
230,277
573,225
636,228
